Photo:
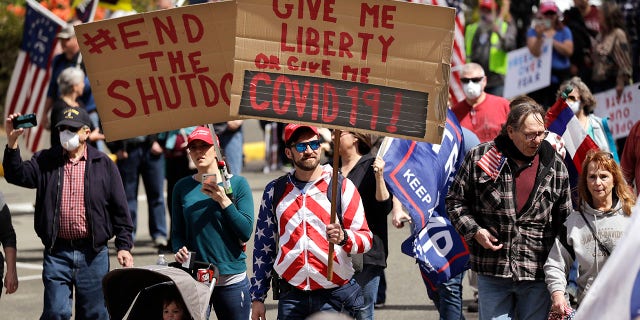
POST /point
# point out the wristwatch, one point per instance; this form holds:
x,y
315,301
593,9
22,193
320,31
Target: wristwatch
x,y
344,240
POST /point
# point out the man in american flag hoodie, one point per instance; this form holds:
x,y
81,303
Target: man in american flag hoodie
x,y
294,240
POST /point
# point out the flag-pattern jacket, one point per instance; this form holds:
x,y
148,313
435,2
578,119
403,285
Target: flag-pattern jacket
x,y
293,239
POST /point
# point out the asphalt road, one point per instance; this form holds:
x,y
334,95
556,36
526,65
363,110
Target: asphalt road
x,y
406,294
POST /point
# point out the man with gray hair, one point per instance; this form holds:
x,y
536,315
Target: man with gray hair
x,y
480,112
509,200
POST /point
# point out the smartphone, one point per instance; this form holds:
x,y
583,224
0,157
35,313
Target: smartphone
x,y
210,179
25,121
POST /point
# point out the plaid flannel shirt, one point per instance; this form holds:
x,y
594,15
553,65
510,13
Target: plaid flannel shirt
x,y
476,200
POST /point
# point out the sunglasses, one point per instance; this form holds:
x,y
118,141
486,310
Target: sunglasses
x,y
71,129
302,146
474,80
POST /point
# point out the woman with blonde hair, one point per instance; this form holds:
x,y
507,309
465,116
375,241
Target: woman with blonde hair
x,y
592,231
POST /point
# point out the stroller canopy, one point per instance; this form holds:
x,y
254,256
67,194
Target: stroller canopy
x,y
121,288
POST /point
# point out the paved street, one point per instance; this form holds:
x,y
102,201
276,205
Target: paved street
x,y
406,295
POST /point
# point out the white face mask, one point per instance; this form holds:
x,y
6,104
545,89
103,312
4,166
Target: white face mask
x,y
575,106
69,140
472,90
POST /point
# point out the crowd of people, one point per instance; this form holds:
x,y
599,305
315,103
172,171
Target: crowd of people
x,y
511,198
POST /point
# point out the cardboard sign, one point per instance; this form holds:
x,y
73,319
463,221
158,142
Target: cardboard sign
x,y
526,73
161,70
622,111
372,66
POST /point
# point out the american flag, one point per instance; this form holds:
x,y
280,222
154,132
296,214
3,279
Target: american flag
x,y
30,78
458,59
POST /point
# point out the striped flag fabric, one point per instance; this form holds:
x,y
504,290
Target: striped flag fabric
x,y
85,10
569,139
30,78
458,59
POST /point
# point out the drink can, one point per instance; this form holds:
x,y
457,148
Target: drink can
x,y
204,275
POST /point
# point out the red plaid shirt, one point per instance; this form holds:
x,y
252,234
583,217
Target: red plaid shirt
x,y
73,220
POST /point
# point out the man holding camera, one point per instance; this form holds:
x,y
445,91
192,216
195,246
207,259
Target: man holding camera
x,y
76,213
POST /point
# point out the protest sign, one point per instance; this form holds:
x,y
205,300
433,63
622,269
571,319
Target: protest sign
x,y
527,73
161,70
379,66
622,111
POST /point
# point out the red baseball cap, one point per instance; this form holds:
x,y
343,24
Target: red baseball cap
x,y
202,134
548,6
291,128
489,4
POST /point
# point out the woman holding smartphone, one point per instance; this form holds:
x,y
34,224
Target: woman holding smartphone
x,y
214,225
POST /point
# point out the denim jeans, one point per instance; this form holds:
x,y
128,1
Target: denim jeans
x,y
448,299
151,167
65,268
368,279
502,298
296,304
232,302
232,145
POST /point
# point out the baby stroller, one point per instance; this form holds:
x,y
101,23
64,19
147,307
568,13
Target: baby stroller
x,y
137,293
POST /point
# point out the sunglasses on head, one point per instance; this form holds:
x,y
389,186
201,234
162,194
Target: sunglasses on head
x,y
302,146
71,129
475,80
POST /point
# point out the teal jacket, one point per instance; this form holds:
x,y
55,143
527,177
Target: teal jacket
x,y
216,235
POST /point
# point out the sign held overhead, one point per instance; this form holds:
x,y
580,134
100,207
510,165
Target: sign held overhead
x,y
378,66
161,70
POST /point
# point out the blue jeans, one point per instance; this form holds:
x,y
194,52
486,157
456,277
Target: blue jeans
x,y
448,299
151,167
368,279
502,298
232,145
233,301
297,304
66,268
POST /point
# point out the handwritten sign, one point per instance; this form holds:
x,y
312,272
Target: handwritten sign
x,y
161,70
622,111
378,66
526,73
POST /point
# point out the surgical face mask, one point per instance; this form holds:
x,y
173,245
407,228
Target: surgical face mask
x,y
472,90
69,140
575,106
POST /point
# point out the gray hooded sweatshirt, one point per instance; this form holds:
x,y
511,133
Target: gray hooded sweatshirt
x,y
609,227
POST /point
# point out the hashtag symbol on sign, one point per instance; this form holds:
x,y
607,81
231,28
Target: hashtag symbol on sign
x,y
102,39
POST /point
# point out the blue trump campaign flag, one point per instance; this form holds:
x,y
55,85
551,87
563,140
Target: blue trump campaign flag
x,y
419,174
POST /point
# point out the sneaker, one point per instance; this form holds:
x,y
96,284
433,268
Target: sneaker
x,y
160,242
378,305
473,306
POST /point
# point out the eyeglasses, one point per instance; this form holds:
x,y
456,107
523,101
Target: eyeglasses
x,y
71,129
572,98
474,80
199,147
302,146
536,135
